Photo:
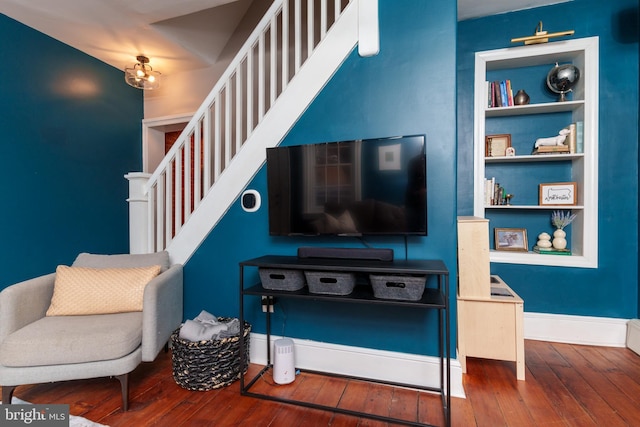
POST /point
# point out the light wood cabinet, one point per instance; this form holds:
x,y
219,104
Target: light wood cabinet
x,y
492,328
490,313
473,254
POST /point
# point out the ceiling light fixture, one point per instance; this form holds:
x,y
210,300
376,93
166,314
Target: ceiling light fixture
x,y
141,75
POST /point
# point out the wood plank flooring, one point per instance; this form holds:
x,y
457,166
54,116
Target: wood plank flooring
x,y
566,385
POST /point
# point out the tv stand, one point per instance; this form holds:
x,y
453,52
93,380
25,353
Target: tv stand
x,y
434,298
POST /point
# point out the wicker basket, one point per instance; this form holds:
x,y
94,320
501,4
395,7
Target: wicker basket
x,y
207,365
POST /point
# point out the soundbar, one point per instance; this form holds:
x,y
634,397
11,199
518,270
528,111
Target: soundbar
x,y
377,254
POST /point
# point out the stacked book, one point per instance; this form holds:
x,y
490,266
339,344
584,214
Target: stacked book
x,y
499,94
551,251
494,194
551,149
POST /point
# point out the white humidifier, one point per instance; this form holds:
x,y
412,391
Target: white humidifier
x,y
284,371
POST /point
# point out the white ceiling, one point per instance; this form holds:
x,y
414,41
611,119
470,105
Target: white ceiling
x,y
174,34
476,8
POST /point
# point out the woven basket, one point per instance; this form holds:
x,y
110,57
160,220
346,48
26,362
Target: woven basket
x,y
207,365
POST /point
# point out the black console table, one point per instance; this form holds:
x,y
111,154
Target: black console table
x,y
432,299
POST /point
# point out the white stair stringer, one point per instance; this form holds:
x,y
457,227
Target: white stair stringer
x,y
276,123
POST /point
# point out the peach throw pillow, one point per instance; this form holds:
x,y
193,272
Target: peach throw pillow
x,y
84,291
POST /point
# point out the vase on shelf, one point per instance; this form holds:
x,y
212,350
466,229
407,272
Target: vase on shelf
x,y
521,98
559,241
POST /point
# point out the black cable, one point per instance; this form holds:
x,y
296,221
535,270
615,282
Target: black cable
x,y
364,243
406,247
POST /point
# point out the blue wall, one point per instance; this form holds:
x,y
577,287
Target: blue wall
x,y
409,88
70,137
69,131
612,289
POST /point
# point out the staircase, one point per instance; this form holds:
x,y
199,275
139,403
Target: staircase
x,y
287,60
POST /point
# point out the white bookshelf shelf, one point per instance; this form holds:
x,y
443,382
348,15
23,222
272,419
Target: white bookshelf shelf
x,y
534,158
520,110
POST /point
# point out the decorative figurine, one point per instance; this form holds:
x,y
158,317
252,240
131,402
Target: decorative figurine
x,y
544,240
553,140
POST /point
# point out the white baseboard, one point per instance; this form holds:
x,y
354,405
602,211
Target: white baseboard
x,y
585,330
633,335
424,370
363,362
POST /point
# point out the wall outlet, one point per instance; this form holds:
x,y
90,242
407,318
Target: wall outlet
x,y
268,303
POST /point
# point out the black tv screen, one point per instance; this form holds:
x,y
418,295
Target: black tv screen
x,y
348,188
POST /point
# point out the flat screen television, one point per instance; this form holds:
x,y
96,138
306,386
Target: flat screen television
x,y
348,188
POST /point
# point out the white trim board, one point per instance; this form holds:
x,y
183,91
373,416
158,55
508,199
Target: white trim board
x,y
404,368
153,130
584,330
424,370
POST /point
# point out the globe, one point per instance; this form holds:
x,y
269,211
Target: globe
x,y
562,78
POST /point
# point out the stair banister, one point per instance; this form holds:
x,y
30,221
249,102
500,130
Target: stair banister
x,y
227,119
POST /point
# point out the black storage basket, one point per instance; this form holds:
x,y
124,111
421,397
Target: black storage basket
x,y
211,364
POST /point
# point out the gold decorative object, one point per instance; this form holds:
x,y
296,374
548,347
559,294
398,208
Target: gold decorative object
x,y
541,36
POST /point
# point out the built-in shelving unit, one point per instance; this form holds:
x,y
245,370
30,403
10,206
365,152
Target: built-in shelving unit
x,y
526,170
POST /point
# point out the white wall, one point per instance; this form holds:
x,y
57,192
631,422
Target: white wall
x,y
183,92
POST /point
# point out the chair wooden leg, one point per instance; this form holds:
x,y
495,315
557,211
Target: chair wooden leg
x,y
124,385
7,393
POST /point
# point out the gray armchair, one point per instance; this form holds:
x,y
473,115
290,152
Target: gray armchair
x,y
36,348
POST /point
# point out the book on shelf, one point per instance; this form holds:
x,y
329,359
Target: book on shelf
x,y
571,140
503,94
579,137
551,149
489,192
499,94
551,251
494,194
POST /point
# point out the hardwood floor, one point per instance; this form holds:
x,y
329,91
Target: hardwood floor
x,y
566,385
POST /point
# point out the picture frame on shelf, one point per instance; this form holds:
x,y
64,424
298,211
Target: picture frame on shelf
x,y
558,194
496,145
510,239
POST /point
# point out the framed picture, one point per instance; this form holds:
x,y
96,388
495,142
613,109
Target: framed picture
x,y
558,194
510,239
496,145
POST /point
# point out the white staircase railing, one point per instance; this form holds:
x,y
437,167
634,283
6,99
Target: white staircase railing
x,y
274,67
